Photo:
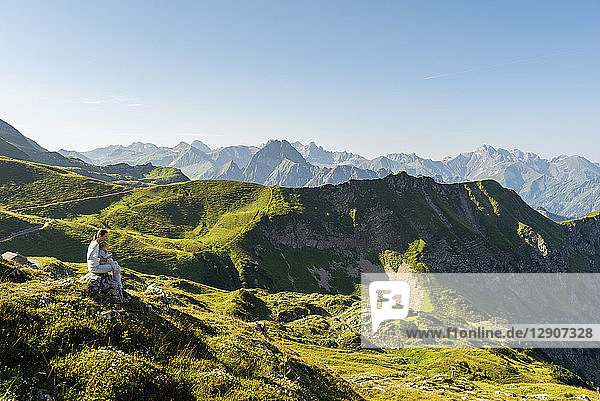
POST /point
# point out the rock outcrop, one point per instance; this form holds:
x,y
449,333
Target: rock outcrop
x,y
163,296
102,288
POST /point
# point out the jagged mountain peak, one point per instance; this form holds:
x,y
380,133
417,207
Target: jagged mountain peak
x,y
181,146
312,145
201,146
230,171
142,147
278,162
407,157
317,155
187,155
485,148
280,149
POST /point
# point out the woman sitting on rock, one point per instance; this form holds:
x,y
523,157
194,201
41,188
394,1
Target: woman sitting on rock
x,y
95,265
106,257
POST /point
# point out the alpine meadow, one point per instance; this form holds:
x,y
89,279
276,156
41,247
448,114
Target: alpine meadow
x,y
299,201
245,291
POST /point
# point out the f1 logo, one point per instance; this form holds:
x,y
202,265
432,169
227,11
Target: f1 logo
x,y
389,301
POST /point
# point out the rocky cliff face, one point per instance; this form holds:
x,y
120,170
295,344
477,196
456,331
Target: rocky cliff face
x,y
278,163
470,227
415,223
584,235
318,156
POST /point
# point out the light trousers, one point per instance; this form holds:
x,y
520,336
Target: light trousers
x,y
111,266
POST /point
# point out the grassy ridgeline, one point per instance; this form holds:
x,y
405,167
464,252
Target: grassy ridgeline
x,y
26,184
204,344
233,234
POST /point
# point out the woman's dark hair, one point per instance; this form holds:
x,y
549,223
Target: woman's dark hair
x,y
101,232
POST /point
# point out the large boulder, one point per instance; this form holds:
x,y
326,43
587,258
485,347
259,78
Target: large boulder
x,y
102,287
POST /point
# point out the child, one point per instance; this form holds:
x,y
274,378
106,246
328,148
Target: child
x,y
106,258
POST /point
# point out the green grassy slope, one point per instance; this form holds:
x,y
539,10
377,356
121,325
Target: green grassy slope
x,y
307,239
459,227
215,211
132,176
26,184
229,234
14,222
204,343
55,339
15,145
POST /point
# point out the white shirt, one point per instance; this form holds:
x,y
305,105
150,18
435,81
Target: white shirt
x,y
93,258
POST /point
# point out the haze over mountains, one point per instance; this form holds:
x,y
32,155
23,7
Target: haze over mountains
x,y
564,186
274,163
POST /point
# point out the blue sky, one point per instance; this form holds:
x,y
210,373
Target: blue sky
x,y
373,77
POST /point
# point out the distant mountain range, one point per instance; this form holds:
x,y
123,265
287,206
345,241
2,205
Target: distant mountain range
x,y
275,163
15,145
561,188
564,186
